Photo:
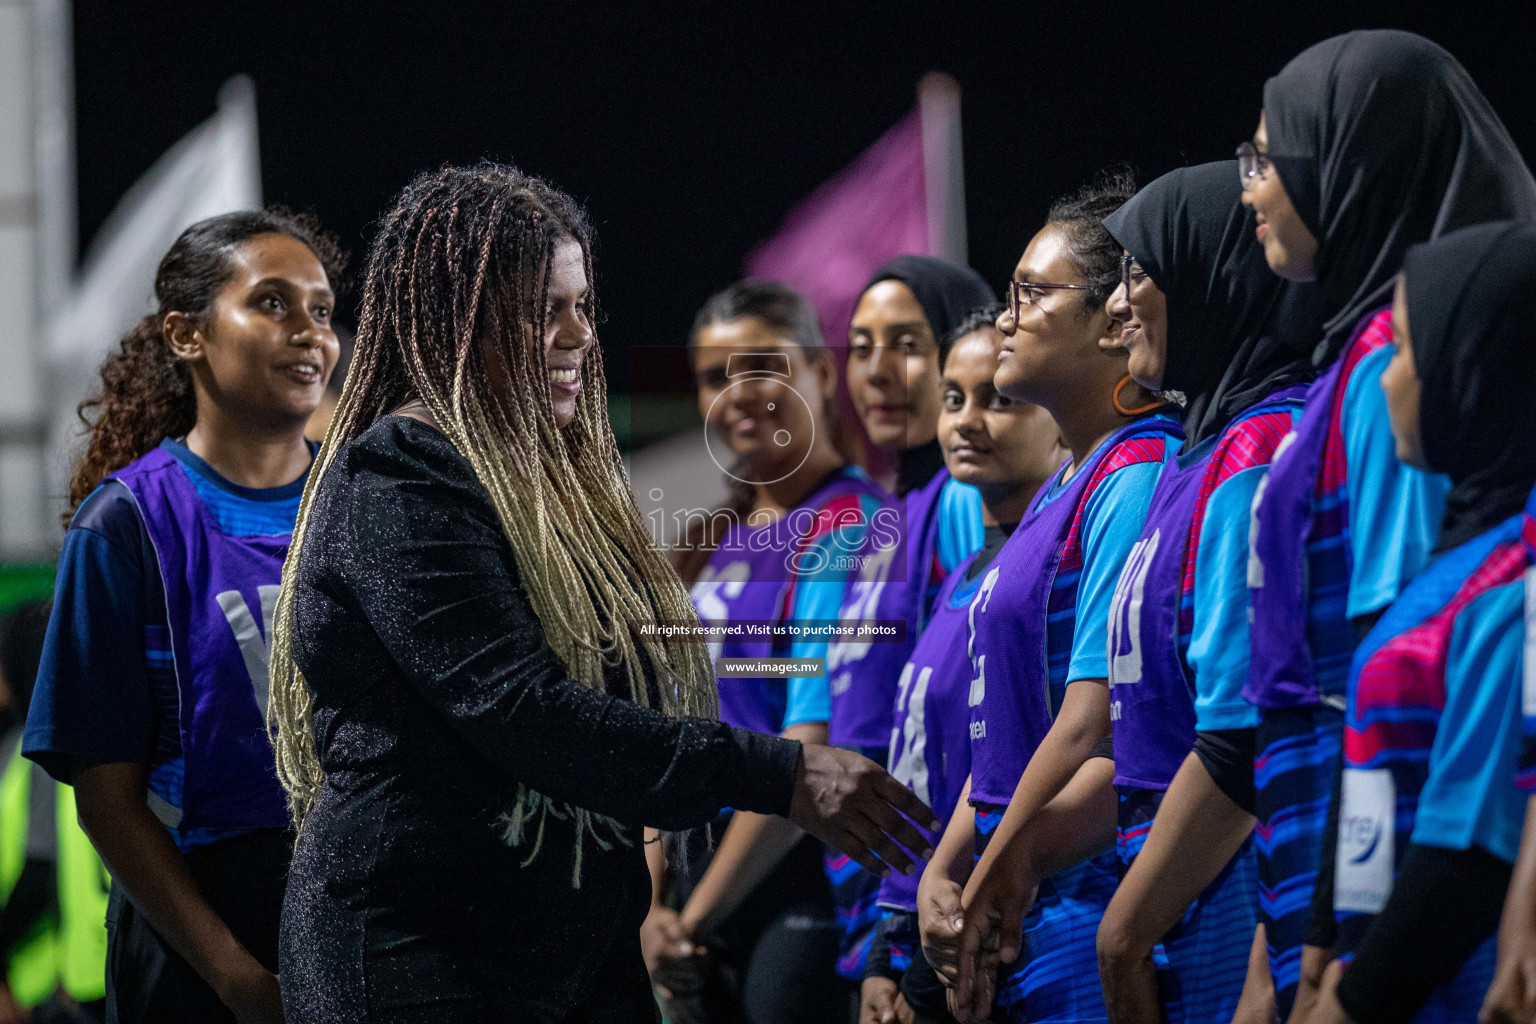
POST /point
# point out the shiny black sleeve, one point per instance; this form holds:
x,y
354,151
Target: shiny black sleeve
x,y
432,572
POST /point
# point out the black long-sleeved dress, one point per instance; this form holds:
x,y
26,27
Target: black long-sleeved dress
x,y
435,694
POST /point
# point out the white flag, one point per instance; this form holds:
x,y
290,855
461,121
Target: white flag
x,y
213,169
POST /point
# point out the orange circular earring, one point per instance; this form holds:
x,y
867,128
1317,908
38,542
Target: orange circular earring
x,y
1122,410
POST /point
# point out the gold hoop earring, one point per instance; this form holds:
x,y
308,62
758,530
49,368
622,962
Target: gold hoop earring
x,y
1122,410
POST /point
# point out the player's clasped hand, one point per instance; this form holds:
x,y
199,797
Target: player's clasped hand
x,y
991,933
849,801
939,922
1512,997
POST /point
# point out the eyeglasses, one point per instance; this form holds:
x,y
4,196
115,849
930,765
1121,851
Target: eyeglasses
x,y
1250,163
1131,273
1029,293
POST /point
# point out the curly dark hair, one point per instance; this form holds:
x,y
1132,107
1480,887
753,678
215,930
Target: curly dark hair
x,y
146,393
1081,215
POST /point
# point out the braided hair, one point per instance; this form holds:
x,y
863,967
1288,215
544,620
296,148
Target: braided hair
x,y
465,256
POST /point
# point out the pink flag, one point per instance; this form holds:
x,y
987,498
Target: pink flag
x,y
902,195
872,210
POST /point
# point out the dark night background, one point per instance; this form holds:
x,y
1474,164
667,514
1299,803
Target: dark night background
x,y
690,130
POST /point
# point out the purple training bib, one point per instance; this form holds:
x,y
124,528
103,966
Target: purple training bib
x,y
893,577
752,576
220,594
1298,568
930,745
1152,707
1011,704
1152,694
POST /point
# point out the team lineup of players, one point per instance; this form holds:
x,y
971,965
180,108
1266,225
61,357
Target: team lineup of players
x,y
1211,543
1212,563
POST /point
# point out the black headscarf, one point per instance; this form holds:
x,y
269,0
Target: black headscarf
x,y
947,291
1383,141
1236,332
1469,315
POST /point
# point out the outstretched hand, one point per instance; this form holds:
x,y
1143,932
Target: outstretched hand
x,y
851,803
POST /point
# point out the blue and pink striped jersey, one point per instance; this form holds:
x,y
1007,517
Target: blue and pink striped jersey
x,y
1525,777
1431,733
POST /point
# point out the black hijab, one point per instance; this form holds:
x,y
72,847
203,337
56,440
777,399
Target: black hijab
x,y
947,291
1236,332
1383,141
948,294
1469,300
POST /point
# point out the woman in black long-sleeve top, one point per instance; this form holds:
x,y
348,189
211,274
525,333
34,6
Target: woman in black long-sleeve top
x,y
471,735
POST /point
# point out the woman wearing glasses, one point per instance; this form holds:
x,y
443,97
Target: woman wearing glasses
x,y
1343,525
1037,633
1202,314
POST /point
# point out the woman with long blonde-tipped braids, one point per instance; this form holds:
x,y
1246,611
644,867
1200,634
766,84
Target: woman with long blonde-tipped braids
x,y
470,730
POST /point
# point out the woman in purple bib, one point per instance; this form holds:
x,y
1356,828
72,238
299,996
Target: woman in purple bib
x,y
152,693
893,377
1202,315
783,556
1343,524
1037,635
1008,450
1428,819
473,731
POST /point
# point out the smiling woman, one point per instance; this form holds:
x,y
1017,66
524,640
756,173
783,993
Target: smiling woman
x,y
151,692
472,736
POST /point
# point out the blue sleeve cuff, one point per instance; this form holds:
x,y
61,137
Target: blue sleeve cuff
x,y
1219,644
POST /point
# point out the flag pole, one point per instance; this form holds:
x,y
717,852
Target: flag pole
x,y
938,100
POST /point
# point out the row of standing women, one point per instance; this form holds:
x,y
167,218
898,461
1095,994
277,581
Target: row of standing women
x,y
1215,675
1139,637
410,644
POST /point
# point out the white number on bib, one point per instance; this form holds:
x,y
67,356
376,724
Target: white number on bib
x,y
979,664
711,593
861,609
255,645
909,760
1255,566
1125,612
